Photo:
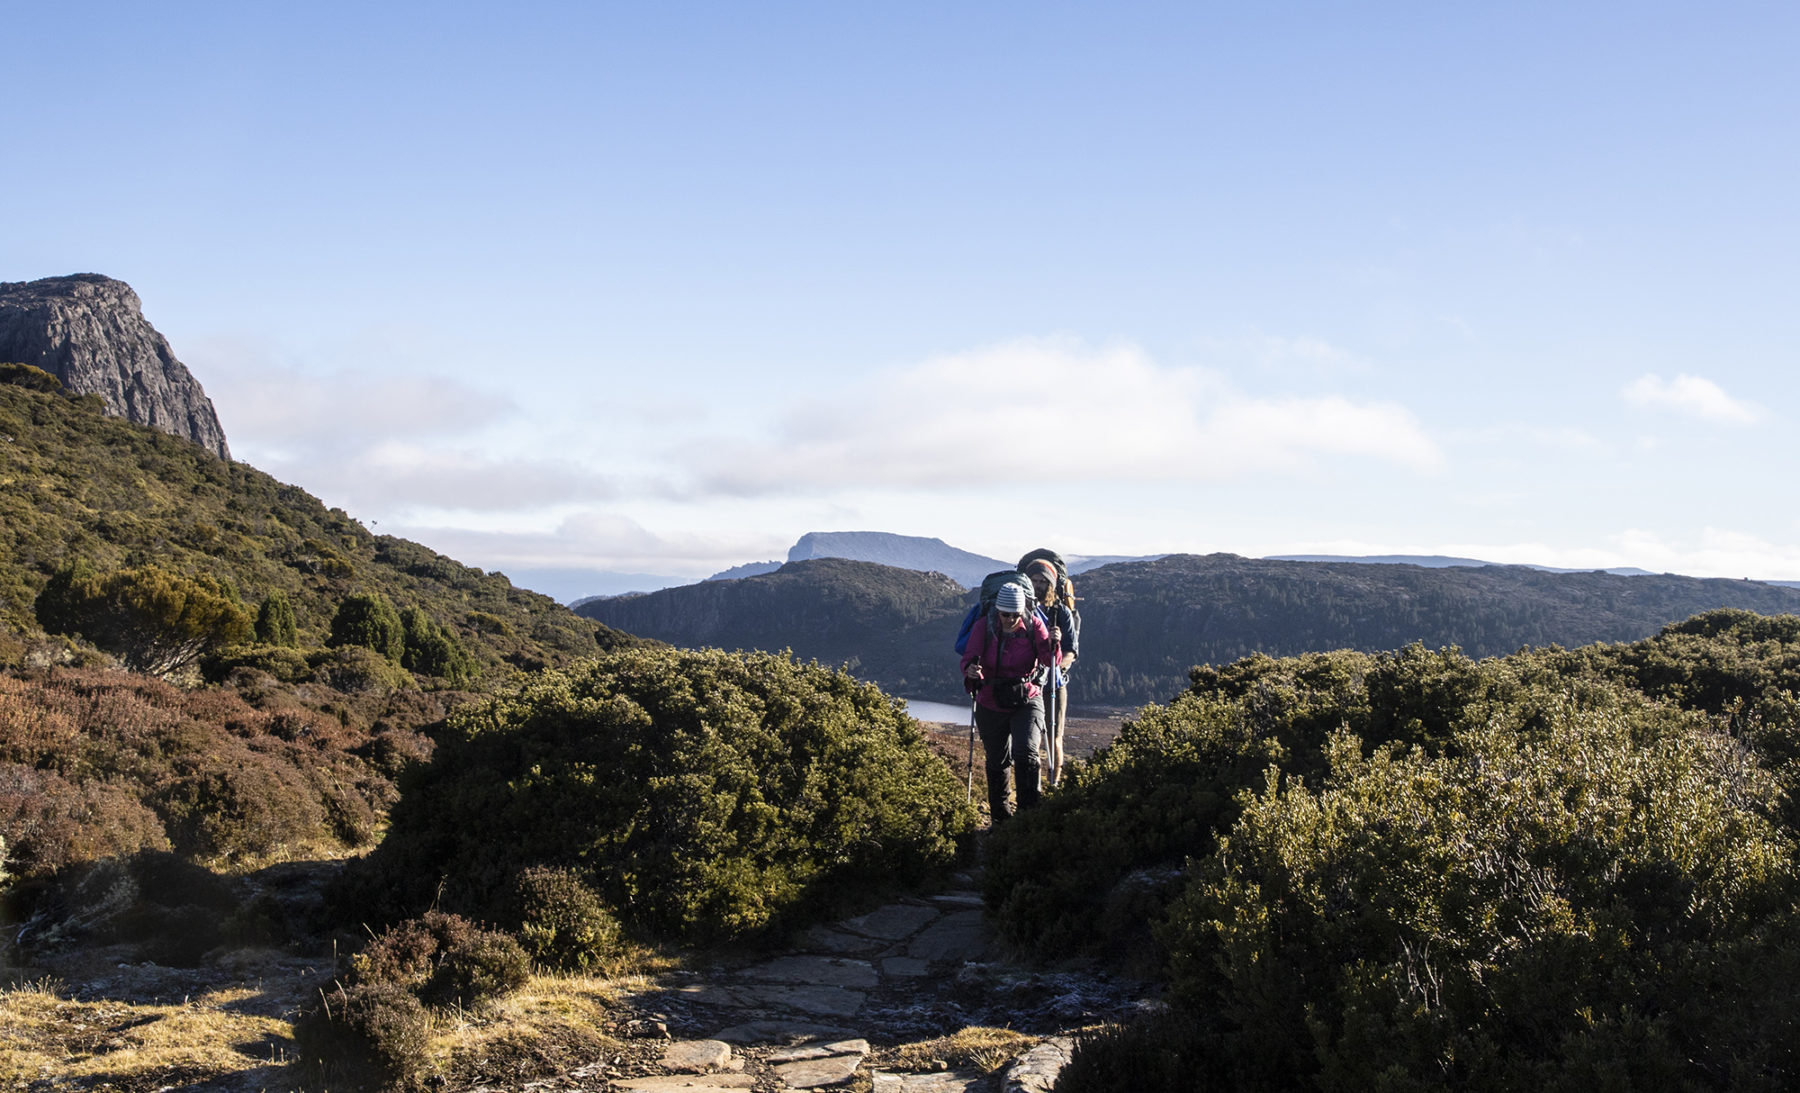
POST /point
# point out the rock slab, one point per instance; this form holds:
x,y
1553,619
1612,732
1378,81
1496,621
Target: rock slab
x,y
90,333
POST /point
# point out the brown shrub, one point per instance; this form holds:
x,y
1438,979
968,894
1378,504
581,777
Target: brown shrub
x,y
48,822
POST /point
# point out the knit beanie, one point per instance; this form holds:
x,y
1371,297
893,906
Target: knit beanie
x,y
1011,599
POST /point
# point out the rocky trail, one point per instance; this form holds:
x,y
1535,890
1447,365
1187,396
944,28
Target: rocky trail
x,y
830,1012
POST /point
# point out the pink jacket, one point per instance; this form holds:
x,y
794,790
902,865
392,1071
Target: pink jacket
x,y
1020,655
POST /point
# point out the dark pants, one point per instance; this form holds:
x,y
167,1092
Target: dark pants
x,y
1010,739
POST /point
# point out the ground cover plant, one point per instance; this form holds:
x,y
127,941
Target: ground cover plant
x,y
700,795
1560,869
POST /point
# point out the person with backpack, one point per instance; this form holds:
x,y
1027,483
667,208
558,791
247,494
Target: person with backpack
x,y
1009,649
1055,596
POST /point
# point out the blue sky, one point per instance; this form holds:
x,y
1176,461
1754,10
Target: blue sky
x,y
657,288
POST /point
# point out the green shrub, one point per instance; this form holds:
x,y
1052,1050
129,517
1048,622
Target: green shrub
x,y
30,377
157,622
701,794
432,650
369,1036
275,622
288,665
1548,906
368,620
355,669
563,924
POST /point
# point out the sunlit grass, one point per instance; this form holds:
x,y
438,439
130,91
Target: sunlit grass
x,y
44,1035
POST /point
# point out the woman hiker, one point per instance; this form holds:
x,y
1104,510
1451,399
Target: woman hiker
x,y
1006,649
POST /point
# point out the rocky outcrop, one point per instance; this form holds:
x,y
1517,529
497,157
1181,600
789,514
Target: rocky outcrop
x,y
90,332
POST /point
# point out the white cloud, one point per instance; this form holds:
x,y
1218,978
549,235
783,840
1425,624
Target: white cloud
x,y
1692,396
383,444
1050,411
600,541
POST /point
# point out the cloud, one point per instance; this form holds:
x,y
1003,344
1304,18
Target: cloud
x,y
378,444
601,541
1692,396
1051,411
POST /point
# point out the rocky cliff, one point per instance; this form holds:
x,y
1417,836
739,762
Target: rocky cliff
x,y
90,332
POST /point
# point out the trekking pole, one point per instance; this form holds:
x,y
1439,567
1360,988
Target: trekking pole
x,y
971,791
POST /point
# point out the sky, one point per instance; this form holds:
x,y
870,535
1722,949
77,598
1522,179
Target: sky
x,y
594,293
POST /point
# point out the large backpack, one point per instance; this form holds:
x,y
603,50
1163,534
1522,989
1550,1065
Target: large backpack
x,y
990,590
1065,588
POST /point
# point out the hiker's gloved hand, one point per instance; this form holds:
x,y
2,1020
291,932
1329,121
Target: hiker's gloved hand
x,y
973,671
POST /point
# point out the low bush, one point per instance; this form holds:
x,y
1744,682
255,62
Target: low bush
x,y
356,669
701,794
563,924
95,764
443,959
369,1036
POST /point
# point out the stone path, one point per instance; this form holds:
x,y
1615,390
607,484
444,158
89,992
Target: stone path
x,y
910,971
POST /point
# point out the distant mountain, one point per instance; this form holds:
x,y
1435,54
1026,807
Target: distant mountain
x,y
90,333
900,551
1440,561
888,624
1144,624
1081,563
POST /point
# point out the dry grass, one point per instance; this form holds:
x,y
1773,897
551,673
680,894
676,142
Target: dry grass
x,y
977,1048
45,1035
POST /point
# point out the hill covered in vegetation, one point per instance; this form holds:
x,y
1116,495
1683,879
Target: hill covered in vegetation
x,y
893,627
135,519
1144,624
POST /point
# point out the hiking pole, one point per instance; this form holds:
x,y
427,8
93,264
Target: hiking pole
x,y
971,792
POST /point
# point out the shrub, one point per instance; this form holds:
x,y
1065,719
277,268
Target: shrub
x,y
157,622
1560,905
275,622
443,959
51,823
369,1036
368,620
30,377
701,794
355,669
432,650
563,924
285,664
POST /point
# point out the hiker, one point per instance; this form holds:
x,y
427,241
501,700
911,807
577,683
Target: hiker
x,y
1066,632
1007,647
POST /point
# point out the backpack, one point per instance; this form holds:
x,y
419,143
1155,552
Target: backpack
x,y
990,590
1065,588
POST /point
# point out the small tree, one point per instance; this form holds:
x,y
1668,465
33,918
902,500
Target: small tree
x,y
369,620
157,622
275,622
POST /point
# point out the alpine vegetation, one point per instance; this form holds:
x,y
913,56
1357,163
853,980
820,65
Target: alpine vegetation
x,y
701,795
1554,870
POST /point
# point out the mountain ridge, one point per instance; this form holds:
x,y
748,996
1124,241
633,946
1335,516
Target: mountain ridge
x,y
1146,623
